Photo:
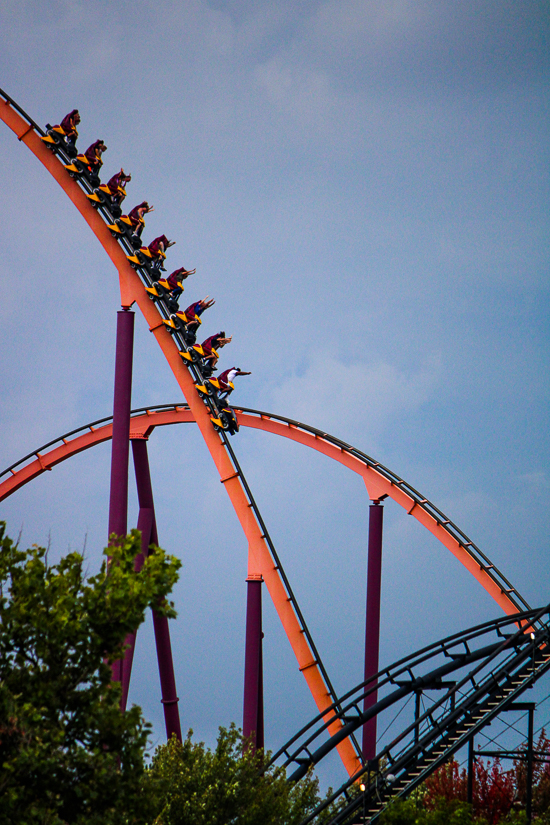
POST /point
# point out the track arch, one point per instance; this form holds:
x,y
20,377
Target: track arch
x,y
262,558
262,555
379,480
475,674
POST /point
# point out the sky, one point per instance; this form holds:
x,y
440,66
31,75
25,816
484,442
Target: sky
x,y
362,186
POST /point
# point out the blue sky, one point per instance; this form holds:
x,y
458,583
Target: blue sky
x,y
363,188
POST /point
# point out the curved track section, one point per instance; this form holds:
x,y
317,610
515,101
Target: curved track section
x,y
465,680
379,480
263,560
133,286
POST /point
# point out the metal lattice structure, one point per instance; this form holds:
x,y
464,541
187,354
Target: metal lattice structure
x,y
489,665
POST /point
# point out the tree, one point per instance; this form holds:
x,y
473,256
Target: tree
x,y
67,753
493,791
194,785
541,779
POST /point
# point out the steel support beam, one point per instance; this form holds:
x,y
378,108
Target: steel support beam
x,y
160,623
120,448
529,800
253,712
471,771
145,526
372,624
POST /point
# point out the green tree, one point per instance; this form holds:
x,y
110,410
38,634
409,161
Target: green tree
x,y
67,753
194,785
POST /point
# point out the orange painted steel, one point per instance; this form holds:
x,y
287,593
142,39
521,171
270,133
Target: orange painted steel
x,y
377,485
133,291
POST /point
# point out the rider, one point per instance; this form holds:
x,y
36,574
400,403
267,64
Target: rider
x,y
93,155
175,278
210,346
136,217
193,312
226,378
157,248
69,124
117,186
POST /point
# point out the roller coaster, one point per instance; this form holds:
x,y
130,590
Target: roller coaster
x,y
466,679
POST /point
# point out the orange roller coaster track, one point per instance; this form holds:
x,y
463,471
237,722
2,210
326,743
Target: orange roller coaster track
x,y
379,480
262,559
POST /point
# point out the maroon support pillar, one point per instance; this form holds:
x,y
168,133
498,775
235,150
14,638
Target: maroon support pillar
x,y
160,623
372,626
145,526
120,447
253,710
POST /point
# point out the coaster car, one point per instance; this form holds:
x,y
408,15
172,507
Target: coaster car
x,y
212,386
81,166
196,354
55,137
226,419
161,290
177,322
122,225
102,196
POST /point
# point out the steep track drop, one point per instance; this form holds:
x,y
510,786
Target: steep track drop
x,y
263,559
133,290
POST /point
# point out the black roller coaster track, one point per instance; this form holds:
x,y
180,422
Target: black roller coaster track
x,y
421,501
477,673
147,278
517,659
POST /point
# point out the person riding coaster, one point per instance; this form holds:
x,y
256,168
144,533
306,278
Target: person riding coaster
x,y
171,287
89,162
188,321
154,253
206,355
222,385
113,192
64,134
133,223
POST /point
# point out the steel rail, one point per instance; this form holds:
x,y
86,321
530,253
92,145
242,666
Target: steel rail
x,y
291,428
479,564
90,428
424,504
527,658
390,675
132,289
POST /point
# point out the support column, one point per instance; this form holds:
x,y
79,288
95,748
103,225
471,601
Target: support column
x,y
471,771
120,447
529,800
253,711
372,624
145,526
160,623
417,698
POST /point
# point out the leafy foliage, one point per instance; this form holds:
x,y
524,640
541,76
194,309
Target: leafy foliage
x,y
499,796
67,753
194,785
493,790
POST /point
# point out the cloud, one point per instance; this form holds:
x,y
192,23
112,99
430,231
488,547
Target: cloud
x,y
347,397
306,95
535,478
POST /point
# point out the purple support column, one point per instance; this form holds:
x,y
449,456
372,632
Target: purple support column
x,y
160,623
253,713
145,526
120,448
372,626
